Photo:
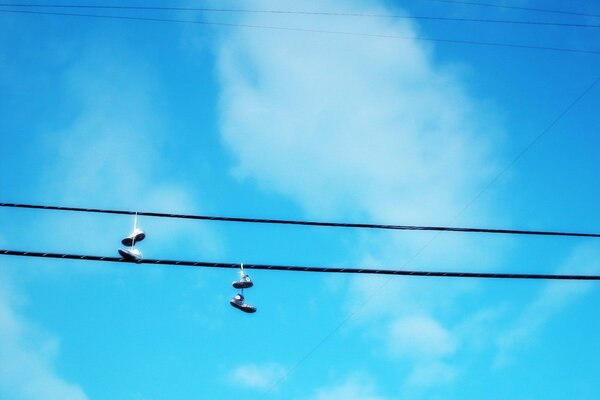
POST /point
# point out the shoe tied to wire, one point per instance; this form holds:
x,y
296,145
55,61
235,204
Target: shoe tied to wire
x,y
244,283
131,254
136,236
238,302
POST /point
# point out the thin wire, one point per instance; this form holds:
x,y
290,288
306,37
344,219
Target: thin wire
x,y
308,223
304,13
542,10
320,31
532,143
269,267
429,242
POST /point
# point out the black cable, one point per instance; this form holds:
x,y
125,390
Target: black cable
x,y
305,223
304,13
492,5
448,274
289,29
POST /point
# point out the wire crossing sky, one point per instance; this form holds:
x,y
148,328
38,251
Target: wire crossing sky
x,y
367,271
308,30
304,223
520,8
304,13
335,144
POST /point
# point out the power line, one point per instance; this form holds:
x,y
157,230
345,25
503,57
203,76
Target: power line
x,y
307,30
302,13
271,267
304,223
542,10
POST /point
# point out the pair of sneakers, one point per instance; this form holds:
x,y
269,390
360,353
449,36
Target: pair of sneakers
x,y
132,254
238,300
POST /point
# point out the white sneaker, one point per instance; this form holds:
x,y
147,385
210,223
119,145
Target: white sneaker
x,y
136,236
131,254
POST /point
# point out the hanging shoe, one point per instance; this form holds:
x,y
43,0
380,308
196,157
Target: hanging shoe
x,y
131,254
136,236
238,302
243,283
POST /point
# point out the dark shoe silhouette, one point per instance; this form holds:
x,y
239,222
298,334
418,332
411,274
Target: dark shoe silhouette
x,y
238,302
244,283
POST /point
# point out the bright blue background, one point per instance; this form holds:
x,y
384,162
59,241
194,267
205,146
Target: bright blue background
x,y
80,96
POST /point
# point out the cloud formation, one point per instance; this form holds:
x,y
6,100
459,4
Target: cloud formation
x,y
356,387
348,126
110,152
26,371
552,300
258,376
351,127
107,152
420,337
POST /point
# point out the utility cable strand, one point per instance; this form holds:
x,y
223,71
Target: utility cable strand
x,y
307,30
269,267
306,223
302,13
520,8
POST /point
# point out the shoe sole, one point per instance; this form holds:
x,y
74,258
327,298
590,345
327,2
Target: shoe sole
x,y
247,309
242,285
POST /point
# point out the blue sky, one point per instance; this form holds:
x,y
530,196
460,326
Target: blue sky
x,y
286,124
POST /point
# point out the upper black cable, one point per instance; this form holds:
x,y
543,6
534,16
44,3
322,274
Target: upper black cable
x,y
307,30
306,223
302,13
447,274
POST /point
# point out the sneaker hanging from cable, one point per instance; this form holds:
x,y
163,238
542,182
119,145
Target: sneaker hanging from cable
x,y
136,236
239,303
244,282
131,254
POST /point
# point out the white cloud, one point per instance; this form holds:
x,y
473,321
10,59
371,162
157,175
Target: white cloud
x,y
420,337
551,301
431,373
425,343
110,154
345,125
26,371
370,129
111,147
356,387
258,376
